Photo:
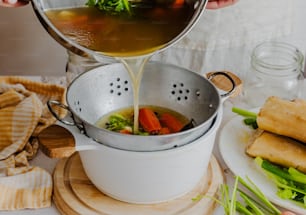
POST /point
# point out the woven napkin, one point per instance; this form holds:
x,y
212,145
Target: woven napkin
x,y
23,114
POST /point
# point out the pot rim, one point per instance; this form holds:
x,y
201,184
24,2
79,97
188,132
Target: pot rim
x,y
83,142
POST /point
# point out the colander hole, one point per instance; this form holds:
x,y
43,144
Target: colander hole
x,y
111,91
111,84
118,86
126,89
118,79
173,92
182,84
186,98
198,93
126,82
180,91
187,91
119,93
80,109
179,98
174,86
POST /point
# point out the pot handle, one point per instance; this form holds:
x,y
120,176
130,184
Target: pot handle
x,y
61,141
212,75
53,103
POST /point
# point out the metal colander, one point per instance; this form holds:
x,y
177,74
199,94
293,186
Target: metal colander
x,y
108,88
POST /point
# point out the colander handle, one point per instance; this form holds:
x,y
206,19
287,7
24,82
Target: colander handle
x,y
233,83
53,103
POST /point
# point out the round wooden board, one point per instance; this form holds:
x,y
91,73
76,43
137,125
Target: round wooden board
x,y
74,194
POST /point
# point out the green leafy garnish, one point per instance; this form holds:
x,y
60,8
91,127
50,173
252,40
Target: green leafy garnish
x,y
117,122
290,182
111,6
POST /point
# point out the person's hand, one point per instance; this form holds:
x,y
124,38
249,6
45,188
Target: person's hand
x,y
216,4
288,213
13,3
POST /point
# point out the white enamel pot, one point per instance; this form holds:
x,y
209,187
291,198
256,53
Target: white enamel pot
x,y
146,177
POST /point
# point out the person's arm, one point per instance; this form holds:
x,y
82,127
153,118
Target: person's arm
x,y
217,4
13,3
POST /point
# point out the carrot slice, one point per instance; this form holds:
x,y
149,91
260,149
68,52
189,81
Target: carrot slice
x,y
149,121
177,3
170,121
125,131
164,130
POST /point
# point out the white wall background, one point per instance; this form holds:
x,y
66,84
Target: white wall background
x,y
25,47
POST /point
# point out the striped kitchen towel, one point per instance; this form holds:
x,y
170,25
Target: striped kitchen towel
x,y
23,114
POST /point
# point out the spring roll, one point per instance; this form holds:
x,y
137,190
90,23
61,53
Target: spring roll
x,y
283,117
278,149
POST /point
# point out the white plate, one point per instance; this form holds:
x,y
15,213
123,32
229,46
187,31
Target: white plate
x,y
232,143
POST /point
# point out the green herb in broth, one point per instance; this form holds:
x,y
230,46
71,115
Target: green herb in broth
x,y
112,6
117,122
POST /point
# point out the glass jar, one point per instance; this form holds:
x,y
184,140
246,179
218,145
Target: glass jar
x,y
276,70
76,65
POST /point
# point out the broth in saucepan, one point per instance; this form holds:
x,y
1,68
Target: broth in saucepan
x,y
146,30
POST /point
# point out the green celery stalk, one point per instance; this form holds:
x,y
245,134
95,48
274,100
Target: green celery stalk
x,y
291,184
242,209
297,175
284,186
257,192
243,112
251,204
267,210
275,169
251,122
233,198
292,174
262,205
250,117
225,200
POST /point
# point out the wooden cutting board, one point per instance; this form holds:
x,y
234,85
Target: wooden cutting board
x,y
74,194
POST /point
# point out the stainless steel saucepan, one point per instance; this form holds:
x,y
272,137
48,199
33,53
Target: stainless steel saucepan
x,y
69,42
108,88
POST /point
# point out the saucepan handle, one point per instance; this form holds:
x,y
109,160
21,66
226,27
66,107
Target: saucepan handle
x,y
233,84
